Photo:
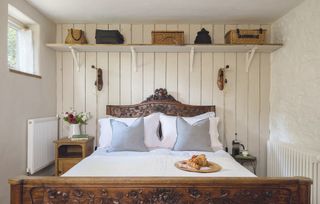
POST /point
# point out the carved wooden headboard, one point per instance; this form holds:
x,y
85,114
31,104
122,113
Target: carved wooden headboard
x,y
160,101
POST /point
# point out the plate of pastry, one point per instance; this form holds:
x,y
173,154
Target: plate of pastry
x,y
198,163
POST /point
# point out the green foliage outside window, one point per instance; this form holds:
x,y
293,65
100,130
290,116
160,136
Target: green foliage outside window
x,y
12,47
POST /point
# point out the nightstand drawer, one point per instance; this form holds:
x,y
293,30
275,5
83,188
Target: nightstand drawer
x,y
65,164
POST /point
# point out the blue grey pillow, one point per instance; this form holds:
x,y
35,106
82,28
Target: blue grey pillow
x,y
194,137
128,138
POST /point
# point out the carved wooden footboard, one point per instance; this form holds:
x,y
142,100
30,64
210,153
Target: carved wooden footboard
x,y
94,190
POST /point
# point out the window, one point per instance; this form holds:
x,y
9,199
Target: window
x,y
20,47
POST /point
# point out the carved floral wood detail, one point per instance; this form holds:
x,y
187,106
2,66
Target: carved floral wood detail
x,y
160,101
100,195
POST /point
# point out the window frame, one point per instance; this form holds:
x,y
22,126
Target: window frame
x,y
18,25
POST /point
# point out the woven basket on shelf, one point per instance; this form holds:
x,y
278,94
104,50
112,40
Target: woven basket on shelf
x,y
168,37
246,36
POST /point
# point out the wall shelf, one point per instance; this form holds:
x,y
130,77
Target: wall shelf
x,y
268,48
250,50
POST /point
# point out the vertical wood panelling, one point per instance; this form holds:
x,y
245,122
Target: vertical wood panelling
x,y
253,107
91,33
206,78
172,68
137,34
160,70
125,78
114,73
137,74
230,99
114,78
183,78
195,81
147,29
67,81
91,93
218,37
59,78
172,74
242,96
148,74
79,78
185,28
218,96
103,99
125,30
137,81
242,107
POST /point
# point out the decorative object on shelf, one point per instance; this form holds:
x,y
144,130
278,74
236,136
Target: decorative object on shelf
x,y
76,36
222,78
109,37
245,153
168,37
246,36
99,79
75,120
79,137
203,37
236,145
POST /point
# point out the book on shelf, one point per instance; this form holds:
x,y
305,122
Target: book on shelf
x,y
80,137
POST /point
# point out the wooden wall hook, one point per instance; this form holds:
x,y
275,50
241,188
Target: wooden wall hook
x,y
99,79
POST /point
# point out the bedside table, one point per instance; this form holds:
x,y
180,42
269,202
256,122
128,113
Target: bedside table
x,y
68,153
248,160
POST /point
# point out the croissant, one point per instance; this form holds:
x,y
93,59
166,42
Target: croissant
x,y
193,165
198,161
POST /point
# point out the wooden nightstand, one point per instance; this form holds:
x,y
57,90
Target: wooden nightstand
x,y
248,160
68,153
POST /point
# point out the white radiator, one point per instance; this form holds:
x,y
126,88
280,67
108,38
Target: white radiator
x,y
41,134
289,160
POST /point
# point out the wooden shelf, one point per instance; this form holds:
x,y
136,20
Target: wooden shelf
x,y
268,48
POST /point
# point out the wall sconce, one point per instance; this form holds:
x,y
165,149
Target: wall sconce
x,y
221,81
99,79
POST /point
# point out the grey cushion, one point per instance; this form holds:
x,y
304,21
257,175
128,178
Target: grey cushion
x,y
128,138
194,137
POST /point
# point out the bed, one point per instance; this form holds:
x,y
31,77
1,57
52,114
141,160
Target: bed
x,y
124,177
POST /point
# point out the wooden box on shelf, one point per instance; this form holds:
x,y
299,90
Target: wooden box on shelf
x,y
246,36
168,37
68,153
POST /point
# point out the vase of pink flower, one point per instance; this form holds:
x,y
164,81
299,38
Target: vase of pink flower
x,y
75,120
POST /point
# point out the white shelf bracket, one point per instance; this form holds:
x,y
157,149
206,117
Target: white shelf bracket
x,y
191,59
134,58
249,57
75,58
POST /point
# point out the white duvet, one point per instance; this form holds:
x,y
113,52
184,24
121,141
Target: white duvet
x,y
156,163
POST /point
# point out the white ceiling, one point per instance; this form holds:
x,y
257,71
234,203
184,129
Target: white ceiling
x,y
164,11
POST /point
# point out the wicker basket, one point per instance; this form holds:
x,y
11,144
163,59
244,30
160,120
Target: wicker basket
x,y
168,37
246,36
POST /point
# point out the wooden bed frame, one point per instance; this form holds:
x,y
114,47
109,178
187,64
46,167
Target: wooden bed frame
x,y
160,190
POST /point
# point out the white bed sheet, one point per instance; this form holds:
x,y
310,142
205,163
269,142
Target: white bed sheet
x,y
156,163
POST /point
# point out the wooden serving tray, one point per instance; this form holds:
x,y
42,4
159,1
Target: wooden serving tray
x,y
213,167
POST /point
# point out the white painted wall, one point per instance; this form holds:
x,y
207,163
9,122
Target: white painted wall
x,y
295,86
244,106
23,97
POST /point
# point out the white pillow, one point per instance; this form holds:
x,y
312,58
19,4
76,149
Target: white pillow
x,y
214,134
169,129
151,127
